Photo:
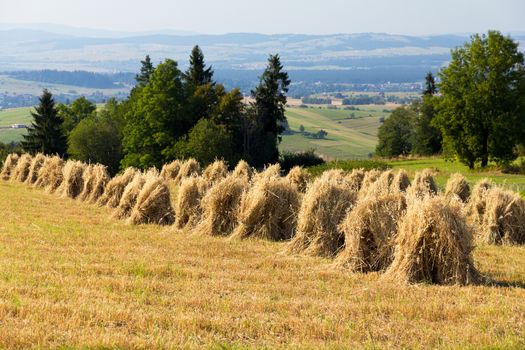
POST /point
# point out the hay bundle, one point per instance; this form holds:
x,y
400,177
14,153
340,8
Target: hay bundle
x,y
188,208
423,185
50,174
220,207
95,179
370,230
478,201
380,187
189,168
457,186
129,196
355,179
268,210
299,177
268,172
323,208
115,188
215,172
21,171
434,245
504,218
370,178
36,165
9,166
243,169
153,204
73,181
171,171
401,182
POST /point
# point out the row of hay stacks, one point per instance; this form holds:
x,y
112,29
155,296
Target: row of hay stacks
x,y
365,220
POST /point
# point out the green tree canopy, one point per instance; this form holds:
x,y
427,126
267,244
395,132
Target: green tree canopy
x,y
146,70
72,114
395,134
197,73
45,134
482,110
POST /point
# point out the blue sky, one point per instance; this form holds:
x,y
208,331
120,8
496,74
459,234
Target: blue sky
x,y
414,17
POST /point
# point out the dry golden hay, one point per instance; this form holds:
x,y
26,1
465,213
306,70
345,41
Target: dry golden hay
x,y
153,204
21,171
299,177
370,178
9,166
475,208
423,185
268,172
370,230
188,208
115,188
434,245
380,187
323,208
50,174
73,182
36,164
220,207
129,196
401,182
95,179
243,169
215,172
268,210
355,179
458,186
504,218
190,168
171,170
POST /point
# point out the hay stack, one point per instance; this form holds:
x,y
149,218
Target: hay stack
x,y
423,185
21,171
50,174
73,181
299,177
129,196
220,207
115,188
243,169
434,245
475,208
215,172
370,230
370,178
188,208
504,218
153,204
9,166
355,179
380,187
170,171
95,179
268,210
36,165
323,208
189,168
268,172
401,182
457,186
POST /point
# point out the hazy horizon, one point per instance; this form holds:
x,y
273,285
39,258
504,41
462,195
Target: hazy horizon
x,y
410,17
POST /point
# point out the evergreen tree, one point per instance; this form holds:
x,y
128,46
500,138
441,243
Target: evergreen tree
x,y
45,134
270,102
145,72
430,85
197,73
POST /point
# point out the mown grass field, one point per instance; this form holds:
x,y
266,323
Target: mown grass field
x,y
12,116
71,277
349,137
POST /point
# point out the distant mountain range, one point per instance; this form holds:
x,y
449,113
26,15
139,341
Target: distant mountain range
x,y
238,57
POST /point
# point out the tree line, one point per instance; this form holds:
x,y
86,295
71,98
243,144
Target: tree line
x,y
474,114
169,114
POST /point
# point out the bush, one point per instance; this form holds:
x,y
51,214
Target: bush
x,y
306,159
348,165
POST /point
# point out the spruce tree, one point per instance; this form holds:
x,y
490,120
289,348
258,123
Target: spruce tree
x,y
145,72
430,85
45,134
197,73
